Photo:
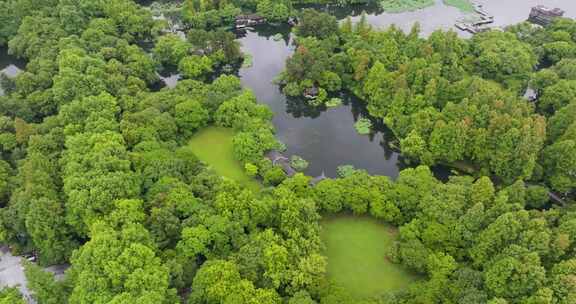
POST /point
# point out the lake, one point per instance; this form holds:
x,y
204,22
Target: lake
x,y
326,137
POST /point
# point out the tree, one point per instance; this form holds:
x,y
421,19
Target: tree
x,y
190,116
562,276
328,195
195,67
239,111
517,273
560,163
219,281
97,172
44,286
11,295
274,11
316,24
171,49
119,264
557,96
501,56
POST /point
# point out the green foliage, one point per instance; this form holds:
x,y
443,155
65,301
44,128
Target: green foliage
x,y
219,45
44,286
241,111
248,61
11,295
251,169
125,263
125,183
316,24
398,6
274,176
334,102
195,67
346,170
209,14
190,116
503,58
463,5
274,11
363,126
298,163
171,49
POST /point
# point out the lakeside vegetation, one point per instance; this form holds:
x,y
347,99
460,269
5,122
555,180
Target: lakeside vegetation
x,y
399,6
103,173
463,5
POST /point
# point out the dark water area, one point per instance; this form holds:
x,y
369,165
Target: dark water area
x,y
325,137
9,65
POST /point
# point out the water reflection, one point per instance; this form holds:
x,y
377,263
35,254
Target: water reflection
x,y
325,137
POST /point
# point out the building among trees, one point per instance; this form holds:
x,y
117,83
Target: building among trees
x,y
543,15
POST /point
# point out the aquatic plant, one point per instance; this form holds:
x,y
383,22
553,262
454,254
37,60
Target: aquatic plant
x,y
345,170
298,163
334,102
363,126
463,5
399,6
248,61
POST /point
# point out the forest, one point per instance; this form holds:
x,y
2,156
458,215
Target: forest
x,y
102,171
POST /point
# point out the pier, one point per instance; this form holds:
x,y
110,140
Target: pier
x,y
477,26
243,21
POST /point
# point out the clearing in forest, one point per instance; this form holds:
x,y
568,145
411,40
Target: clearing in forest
x,y
356,248
213,146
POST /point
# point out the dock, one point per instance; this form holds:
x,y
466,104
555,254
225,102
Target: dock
x,y
477,26
243,21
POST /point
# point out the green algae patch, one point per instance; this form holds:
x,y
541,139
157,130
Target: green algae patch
x,y
463,5
400,6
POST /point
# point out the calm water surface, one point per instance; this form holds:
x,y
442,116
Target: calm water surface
x,y
325,137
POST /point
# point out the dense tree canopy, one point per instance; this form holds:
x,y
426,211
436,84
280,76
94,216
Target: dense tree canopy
x,y
97,170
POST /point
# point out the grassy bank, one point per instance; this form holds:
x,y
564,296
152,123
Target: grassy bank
x,y
356,248
399,6
213,146
463,5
